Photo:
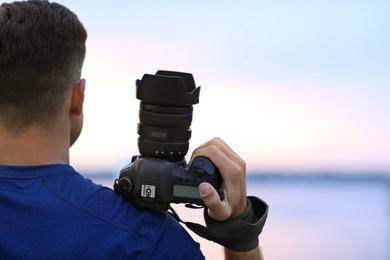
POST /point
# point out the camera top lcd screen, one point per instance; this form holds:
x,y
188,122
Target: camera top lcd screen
x,y
186,191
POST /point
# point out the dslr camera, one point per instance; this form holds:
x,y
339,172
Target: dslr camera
x,y
160,174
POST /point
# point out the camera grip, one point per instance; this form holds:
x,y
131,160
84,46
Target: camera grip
x,y
205,168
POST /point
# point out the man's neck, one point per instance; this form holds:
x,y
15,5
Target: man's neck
x,y
34,146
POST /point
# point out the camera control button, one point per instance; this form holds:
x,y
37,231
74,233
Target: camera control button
x,y
204,164
200,171
200,163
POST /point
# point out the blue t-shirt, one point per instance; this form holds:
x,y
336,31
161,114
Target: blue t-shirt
x,y
52,212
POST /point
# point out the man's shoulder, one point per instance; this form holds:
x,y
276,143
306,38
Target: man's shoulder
x,y
97,203
82,193
64,204
157,230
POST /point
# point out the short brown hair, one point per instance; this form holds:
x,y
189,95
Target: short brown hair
x,y
42,50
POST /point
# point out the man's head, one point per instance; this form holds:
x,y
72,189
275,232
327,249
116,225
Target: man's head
x,y
42,49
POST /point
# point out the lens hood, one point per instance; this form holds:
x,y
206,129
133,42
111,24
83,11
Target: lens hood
x,y
168,88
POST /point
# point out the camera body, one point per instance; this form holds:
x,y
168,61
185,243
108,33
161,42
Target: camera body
x,y
160,174
154,183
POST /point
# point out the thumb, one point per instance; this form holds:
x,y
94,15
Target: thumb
x,y
217,209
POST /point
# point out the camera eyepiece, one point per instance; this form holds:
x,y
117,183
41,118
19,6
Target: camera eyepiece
x,y
165,114
125,184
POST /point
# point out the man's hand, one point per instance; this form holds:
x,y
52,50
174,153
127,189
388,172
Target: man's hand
x,y
233,170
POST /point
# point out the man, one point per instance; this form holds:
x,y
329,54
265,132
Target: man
x,y
47,209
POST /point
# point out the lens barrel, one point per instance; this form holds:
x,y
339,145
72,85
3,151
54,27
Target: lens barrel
x,y
165,114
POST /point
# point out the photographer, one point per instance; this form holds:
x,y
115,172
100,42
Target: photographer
x,y
47,209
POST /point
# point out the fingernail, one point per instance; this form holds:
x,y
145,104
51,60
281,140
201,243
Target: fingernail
x,y
204,189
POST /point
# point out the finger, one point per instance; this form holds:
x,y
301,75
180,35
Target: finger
x,y
233,166
220,140
218,143
217,209
212,150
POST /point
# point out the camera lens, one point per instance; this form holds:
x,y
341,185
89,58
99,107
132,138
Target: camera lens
x,y
165,114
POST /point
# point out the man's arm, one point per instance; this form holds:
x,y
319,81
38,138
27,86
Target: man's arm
x,y
252,254
233,172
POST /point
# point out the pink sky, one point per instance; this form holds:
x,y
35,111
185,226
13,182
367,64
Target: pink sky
x,y
270,124
287,94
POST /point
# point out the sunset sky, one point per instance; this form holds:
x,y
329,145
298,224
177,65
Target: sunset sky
x,y
292,86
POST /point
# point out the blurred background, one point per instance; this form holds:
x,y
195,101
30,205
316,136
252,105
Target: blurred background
x,y
300,89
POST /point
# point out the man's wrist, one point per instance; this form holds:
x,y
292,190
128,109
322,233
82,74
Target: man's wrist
x,y
240,233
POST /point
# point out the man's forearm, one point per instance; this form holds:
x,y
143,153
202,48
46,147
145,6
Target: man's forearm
x,y
254,254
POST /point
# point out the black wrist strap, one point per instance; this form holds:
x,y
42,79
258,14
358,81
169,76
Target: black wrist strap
x,y
239,234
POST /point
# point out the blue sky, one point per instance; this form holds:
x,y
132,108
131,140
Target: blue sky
x,y
291,85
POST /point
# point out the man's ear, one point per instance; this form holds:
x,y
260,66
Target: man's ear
x,y
78,97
